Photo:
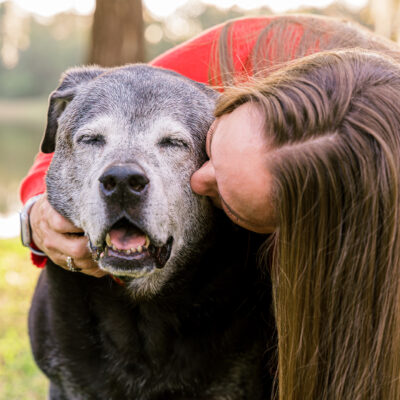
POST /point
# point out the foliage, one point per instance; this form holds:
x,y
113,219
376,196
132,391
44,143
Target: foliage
x,y
19,376
52,47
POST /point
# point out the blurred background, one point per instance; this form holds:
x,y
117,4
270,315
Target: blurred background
x,y
41,38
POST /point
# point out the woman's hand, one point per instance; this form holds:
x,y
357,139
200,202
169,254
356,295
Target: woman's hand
x,y
59,239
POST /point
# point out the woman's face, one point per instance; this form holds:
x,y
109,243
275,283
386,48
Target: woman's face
x,y
236,177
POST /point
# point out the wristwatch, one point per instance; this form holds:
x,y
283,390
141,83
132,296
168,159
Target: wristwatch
x,y
26,233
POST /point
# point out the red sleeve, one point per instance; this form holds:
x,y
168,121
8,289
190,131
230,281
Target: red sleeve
x,y
34,183
193,57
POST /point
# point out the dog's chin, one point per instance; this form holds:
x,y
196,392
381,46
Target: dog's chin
x,y
133,267
142,277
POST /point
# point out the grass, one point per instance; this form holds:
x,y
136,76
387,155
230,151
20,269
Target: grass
x,y
20,379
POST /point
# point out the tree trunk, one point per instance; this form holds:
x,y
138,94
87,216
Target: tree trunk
x,y
117,33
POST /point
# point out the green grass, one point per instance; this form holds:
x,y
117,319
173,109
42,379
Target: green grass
x,y
20,379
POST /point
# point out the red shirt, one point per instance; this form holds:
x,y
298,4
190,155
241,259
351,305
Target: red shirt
x,y
191,59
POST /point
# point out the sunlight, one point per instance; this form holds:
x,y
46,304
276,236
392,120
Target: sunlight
x,y
274,5
48,8
162,8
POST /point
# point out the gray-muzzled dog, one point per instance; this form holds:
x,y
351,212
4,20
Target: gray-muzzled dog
x,y
190,320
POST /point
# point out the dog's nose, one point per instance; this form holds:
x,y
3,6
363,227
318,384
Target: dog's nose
x,y
123,178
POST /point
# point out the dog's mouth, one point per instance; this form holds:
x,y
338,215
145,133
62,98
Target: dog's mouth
x,y
128,250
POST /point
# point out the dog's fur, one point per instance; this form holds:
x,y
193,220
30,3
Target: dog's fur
x,y
189,323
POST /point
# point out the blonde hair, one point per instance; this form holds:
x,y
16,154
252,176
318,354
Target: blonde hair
x,y
333,123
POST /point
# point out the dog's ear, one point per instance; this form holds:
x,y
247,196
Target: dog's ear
x,y
61,97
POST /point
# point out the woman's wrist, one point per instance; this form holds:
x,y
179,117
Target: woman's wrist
x,y
26,231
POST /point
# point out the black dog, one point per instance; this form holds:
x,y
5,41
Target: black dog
x,y
191,319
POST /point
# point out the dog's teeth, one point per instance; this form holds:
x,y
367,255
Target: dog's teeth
x,y
108,240
132,250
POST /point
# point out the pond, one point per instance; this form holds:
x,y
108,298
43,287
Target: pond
x,y
22,124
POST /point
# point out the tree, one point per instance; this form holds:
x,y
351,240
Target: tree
x,y
117,33
386,17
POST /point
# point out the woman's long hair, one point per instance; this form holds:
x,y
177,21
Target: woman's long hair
x,y
332,122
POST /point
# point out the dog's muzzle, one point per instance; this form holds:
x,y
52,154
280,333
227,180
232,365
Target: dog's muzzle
x,y
125,247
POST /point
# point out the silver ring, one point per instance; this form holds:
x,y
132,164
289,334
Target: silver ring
x,y
70,265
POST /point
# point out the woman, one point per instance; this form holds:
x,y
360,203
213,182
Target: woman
x,y
327,183
323,137
226,54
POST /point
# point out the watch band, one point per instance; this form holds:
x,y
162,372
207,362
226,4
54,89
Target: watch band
x,y
26,233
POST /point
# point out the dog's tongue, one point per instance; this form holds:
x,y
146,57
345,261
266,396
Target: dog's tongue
x,y
126,238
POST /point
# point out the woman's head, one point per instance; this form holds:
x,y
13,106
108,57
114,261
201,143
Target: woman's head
x,y
302,104
267,125
330,128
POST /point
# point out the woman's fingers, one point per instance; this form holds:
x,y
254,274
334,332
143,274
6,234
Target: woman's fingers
x,y
65,243
59,238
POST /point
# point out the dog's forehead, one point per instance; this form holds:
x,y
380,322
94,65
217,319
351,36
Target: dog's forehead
x,y
142,86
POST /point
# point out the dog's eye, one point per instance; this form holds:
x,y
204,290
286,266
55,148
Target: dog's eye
x,y
172,142
97,140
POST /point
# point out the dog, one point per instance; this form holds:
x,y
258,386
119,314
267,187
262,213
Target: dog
x,y
190,318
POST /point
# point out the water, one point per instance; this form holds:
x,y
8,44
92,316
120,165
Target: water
x,y
22,123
